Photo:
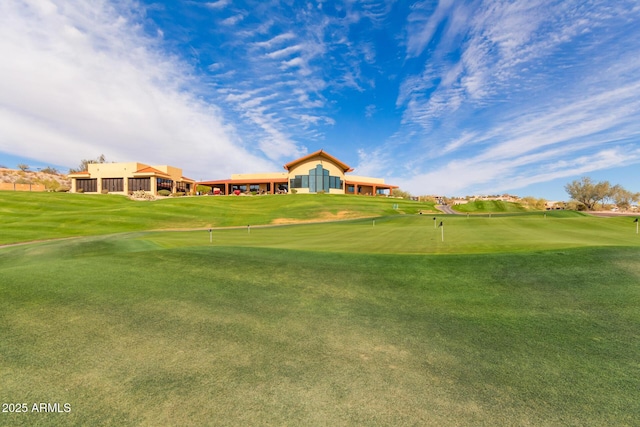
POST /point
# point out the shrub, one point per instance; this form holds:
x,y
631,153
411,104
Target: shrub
x,y
104,191
294,191
49,184
177,194
79,190
141,194
50,170
164,193
203,189
321,192
62,189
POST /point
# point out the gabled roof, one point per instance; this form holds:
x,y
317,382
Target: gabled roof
x,y
149,171
321,153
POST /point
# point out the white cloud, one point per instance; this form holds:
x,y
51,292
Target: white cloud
x,y
519,93
232,20
284,52
275,41
423,23
220,4
83,80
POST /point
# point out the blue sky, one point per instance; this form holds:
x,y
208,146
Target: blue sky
x,y
440,97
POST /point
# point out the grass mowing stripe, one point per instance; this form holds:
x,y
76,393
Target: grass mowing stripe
x,y
416,234
152,335
35,216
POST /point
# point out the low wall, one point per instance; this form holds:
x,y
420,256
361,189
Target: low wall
x,y
11,186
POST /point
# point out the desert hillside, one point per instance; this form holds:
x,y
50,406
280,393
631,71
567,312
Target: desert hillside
x,y
51,181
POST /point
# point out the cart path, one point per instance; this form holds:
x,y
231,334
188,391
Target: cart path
x,y
446,209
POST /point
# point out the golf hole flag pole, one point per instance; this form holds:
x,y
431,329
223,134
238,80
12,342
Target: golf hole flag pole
x,y
636,221
434,223
210,235
442,230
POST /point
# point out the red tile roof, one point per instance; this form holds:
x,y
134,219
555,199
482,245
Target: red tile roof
x,y
322,153
151,171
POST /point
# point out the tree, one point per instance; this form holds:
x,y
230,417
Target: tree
x,y
203,189
396,192
534,203
623,198
84,164
50,170
23,167
589,193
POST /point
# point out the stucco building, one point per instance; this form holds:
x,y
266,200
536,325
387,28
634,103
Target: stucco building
x,y
125,178
314,173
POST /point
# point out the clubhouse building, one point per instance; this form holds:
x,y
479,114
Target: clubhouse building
x,y
125,178
315,173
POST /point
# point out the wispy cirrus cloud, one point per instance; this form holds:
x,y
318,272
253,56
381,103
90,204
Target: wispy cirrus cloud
x,y
529,89
444,95
84,79
286,60
220,4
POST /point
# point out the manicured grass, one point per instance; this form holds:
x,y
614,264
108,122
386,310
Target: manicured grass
x,y
133,331
35,216
486,206
514,319
416,234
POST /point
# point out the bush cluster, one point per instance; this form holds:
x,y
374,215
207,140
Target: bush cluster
x,y
141,194
164,193
203,189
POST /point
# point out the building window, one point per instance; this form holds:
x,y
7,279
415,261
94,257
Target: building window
x,y
183,187
165,184
335,182
87,185
137,184
317,180
297,182
113,184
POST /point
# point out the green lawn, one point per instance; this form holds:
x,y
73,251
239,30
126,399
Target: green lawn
x,y
484,206
511,320
36,216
